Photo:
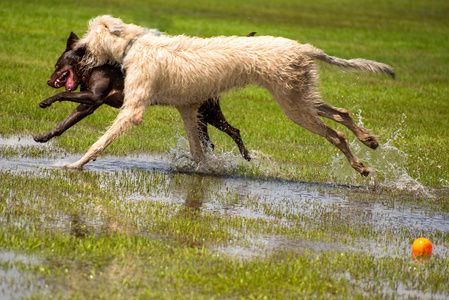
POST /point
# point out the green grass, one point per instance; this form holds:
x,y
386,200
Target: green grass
x,y
410,36
406,35
115,235
101,235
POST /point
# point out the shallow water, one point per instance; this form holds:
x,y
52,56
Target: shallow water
x,y
16,284
388,163
288,202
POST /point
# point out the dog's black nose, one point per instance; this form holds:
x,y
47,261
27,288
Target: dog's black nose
x,y
48,82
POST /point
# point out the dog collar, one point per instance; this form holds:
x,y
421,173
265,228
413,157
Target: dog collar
x,y
131,42
84,78
129,45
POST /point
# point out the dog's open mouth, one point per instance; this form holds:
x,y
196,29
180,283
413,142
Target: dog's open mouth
x,y
66,79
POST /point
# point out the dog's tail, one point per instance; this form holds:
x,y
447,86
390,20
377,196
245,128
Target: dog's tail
x,y
357,63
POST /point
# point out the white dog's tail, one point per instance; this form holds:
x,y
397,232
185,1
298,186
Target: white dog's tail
x,y
357,63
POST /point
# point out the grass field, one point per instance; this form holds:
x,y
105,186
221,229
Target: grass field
x,y
409,36
153,249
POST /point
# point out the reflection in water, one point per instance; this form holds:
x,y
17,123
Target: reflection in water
x,y
289,203
78,227
196,193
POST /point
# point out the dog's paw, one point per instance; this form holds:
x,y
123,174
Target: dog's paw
x,y
246,155
40,138
74,166
371,142
365,171
46,103
359,167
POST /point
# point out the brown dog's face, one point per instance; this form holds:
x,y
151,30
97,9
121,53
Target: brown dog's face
x,y
65,73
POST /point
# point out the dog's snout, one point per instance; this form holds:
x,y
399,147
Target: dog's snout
x,y
49,82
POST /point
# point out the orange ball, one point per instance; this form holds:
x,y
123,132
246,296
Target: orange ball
x,y
422,247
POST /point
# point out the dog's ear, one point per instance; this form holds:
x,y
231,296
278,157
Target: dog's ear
x,y
80,50
73,38
107,23
116,27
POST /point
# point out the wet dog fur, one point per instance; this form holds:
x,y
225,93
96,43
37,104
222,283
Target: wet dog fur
x,y
104,85
183,71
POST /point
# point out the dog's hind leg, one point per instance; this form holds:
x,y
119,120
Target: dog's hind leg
x,y
202,129
342,116
82,111
210,112
307,117
190,120
338,139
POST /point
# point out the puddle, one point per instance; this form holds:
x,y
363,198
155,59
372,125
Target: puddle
x,y
283,202
19,141
262,245
16,283
59,159
293,200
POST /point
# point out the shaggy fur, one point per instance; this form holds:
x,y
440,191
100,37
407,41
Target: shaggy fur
x,y
184,71
104,85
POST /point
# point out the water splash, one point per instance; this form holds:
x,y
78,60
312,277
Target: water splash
x,y
220,163
388,162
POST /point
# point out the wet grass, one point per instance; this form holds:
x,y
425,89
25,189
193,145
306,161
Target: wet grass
x,y
143,233
410,37
277,227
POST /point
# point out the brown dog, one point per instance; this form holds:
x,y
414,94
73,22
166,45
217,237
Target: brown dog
x,y
104,85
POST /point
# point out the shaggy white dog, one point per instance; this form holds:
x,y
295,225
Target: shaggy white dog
x,y
183,71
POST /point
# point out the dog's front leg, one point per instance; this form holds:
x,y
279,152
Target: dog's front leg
x,y
77,115
87,97
190,120
126,119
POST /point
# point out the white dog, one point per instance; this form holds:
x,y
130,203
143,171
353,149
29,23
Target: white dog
x,y
183,71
